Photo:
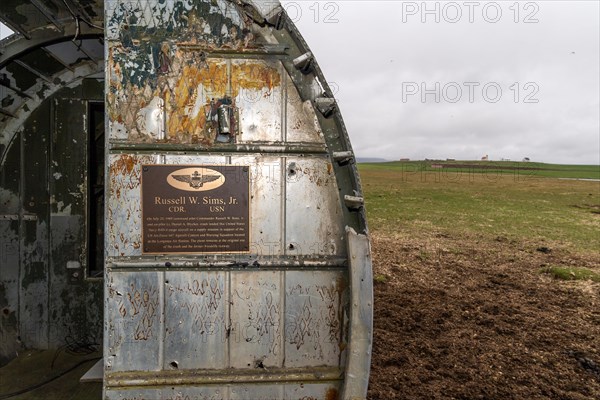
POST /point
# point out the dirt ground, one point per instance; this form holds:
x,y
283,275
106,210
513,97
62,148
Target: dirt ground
x,y
473,318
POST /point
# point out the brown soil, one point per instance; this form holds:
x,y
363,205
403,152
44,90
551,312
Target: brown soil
x,y
473,318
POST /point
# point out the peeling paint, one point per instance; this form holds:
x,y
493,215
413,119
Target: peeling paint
x,y
180,106
71,79
45,305
214,82
62,209
9,201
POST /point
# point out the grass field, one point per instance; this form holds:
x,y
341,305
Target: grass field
x,y
452,169
517,204
486,281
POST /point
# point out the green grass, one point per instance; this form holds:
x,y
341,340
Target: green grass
x,y
524,207
380,278
572,274
455,169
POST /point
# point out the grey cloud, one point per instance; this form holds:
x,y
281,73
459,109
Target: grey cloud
x,y
370,53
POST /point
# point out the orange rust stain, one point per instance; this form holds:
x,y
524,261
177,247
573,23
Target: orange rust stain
x,y
207,82
189,102
332,394
254,75
115,85
315,176
342,284
187,90
124,165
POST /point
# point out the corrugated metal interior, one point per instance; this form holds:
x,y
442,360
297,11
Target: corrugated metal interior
x,y
51,80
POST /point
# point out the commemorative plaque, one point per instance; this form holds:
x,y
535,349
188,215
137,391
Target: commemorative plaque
x,y
195,209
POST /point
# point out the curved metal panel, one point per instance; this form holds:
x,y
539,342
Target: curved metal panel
x,y
232,84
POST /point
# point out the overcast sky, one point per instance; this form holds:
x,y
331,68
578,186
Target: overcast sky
x,y
461,79
526,85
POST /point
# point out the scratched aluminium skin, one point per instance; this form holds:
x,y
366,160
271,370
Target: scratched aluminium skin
x,y
203,87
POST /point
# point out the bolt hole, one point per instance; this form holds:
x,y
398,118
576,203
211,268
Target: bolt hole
x,y
6,311
174,364
291,246
292,169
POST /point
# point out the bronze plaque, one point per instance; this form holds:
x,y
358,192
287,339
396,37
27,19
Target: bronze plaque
x,y
195,209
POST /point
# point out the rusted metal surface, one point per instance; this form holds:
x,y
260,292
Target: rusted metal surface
x,y
45,299
314,218
181,105
197,320
22,107
361,317
180,320
123,216
188,82
307,185
208,83
316,318
134,339
288,391
54,51
10,259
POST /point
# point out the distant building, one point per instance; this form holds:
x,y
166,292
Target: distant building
x,y
485,158
526,159
405,159
450,159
